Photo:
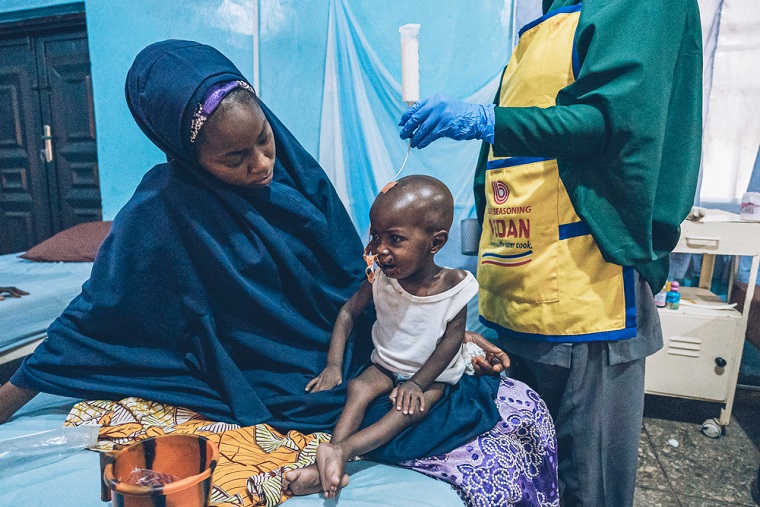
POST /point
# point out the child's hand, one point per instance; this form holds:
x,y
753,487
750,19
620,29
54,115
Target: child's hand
x,y
329,378
407,397
496,360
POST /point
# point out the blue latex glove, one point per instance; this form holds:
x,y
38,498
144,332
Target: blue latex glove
x,y
441,116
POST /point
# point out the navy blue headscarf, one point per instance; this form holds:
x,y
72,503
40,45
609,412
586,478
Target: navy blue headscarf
x,y
222,299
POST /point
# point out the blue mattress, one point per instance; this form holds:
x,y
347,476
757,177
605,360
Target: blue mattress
x,y
51,286
75,480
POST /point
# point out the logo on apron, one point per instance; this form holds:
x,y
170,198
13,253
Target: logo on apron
x,y
500,192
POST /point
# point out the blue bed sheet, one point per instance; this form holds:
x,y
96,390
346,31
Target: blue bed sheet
x,y
75,480
51,286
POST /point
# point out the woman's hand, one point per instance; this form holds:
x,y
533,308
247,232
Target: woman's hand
x,y
329,378
13,398
408,397
496,360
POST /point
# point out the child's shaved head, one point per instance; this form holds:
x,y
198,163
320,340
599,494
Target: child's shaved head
x,y
424,198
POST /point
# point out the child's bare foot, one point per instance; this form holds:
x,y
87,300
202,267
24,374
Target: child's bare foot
x,y
305,481
331,462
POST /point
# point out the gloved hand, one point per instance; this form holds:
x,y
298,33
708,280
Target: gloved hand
x,y
441,116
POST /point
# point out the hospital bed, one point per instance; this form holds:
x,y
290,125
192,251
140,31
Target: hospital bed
x,y
51,286
75,479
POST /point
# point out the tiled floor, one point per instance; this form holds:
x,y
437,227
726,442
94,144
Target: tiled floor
x,y
700,471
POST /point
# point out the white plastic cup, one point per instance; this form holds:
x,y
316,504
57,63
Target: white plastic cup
x,y
410,63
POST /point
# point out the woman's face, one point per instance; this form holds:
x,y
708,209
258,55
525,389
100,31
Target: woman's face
x,y
237,146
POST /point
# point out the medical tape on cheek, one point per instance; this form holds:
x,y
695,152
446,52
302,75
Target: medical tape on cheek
x,y
370,260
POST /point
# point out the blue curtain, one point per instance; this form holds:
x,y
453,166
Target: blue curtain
x,y
346,93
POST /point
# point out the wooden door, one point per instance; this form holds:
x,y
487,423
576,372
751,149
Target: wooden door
x,y
45,87
23,183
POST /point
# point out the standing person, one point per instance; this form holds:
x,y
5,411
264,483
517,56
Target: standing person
x,y
419,332
590,164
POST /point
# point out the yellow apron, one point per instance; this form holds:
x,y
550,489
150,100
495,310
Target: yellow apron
x,y
541,275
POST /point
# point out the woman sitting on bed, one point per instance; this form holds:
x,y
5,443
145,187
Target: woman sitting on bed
x,y
219,284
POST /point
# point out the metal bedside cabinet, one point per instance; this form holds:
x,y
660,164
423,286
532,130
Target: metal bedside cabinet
x,y
702,347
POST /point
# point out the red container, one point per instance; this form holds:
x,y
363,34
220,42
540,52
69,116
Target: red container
x,y
191,459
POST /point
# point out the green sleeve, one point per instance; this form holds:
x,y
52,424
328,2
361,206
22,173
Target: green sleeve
x,y
641,62
577,130
632,174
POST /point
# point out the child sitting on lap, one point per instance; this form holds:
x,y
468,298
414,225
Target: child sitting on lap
x,y
419,332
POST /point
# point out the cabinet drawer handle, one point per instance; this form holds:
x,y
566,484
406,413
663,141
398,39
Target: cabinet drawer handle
x,y
702,240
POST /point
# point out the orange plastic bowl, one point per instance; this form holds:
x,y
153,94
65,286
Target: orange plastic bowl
x,y
190,458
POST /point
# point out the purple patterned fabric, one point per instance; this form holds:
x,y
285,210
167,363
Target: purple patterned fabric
x,y
514,464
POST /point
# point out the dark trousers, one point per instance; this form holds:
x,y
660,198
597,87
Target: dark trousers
x,y
597,410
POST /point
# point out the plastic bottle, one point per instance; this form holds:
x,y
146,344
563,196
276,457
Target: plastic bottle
x,y
410,63
673,298
659,298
